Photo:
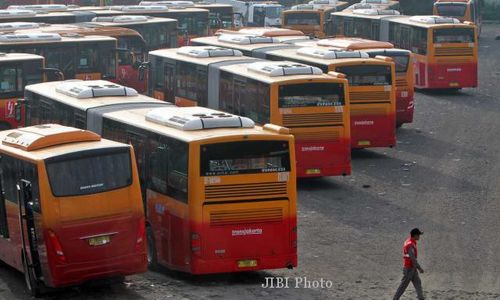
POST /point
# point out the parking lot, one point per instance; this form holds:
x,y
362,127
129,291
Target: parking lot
x,y
443,177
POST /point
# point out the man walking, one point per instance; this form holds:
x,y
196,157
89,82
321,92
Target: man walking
x,y
411,266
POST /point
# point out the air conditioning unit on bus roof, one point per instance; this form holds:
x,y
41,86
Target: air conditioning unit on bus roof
x,y
93,88
7,13
375,1
121,19
376,12
434,20
283,68
140,8
323,2
242,39
29,37
330,53
41,7
171,4
306,7
18,25
207,51
196,118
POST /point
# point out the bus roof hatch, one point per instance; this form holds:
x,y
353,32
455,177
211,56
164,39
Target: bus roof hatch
x,y
93,88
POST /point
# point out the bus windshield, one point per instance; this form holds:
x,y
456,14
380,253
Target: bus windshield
x,y
367,75
273,12
311,94
193,24
454,35
451,9
14,78
89,172
244,157
302,18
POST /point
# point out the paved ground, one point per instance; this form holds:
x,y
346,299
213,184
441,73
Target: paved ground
x,y
442,177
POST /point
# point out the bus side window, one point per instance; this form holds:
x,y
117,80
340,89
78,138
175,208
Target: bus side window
x,y
10,174
158,166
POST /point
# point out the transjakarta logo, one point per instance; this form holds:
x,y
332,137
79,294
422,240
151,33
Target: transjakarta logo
x,y
248,231
363,123
313,148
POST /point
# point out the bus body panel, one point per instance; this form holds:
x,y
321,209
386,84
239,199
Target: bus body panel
x,y
372,126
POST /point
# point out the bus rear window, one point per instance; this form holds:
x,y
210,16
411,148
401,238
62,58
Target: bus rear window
x,y
364,75
401,63
311,94
454,35
451,9
89,172
244,157
302,19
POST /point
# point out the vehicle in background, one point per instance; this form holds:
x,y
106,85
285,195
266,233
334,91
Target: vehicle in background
x,y
313,105
416,7
310,18
255,13
463,10
444,48
78,56
219,192
403,63
58,17
70,207
372,90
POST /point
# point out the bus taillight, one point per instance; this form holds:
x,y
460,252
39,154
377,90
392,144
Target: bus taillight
x,y
195,243
141,234
54,241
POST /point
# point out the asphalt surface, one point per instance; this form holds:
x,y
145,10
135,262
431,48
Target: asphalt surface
x,y
442,177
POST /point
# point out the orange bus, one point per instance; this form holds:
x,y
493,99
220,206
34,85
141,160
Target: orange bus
x,y
313,105
404,69
81,57
372,90
70,207
16,71
220,193
310,18
464,10
444,49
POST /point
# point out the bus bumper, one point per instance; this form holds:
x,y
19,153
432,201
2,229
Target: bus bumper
x,y
316,159
452,76
78,273
371,131
230,265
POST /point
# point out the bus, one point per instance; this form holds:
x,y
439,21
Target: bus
x,y
70,207
403,63
63,17
444,48
310,18
372,90
192,22
80,57
361,23
16,71
221,16
219,192
463,10
313,105
131,51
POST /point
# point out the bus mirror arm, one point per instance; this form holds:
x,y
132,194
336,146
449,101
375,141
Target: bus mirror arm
x,y
58,73
18,109
145,65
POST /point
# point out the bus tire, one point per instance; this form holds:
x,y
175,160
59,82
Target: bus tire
x,y
399,125
31,283
151,249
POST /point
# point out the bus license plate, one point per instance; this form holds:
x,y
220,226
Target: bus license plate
x,y
454,84
249,263
313,171
364,143
99,240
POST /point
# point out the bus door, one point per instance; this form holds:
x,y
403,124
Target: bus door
x,y
29,239
169,84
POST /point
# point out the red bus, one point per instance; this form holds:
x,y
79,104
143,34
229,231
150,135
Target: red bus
x,y
70,207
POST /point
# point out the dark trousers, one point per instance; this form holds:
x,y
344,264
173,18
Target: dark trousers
x,y
410,275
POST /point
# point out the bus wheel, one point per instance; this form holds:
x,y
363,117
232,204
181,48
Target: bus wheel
x,y
31,283
399,125
152,257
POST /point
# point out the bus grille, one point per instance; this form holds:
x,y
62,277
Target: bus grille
x,y
330,136
234,191
296,120
401,83
245,216
454,51
369,96
367,111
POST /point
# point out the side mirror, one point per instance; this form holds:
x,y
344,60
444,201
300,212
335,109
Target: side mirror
x,y
18,110
142,69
